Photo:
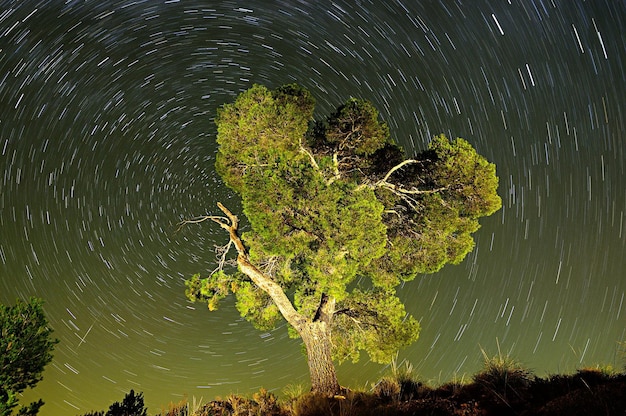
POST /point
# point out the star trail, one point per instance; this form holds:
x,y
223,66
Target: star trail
x,y
107,141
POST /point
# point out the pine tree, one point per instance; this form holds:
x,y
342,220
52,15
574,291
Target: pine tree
x,y
339,217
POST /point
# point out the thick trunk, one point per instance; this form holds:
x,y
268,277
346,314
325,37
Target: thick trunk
x,y
316,337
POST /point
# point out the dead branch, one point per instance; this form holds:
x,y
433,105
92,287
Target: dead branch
x,y
221,252
197,220
403,192
395,168
311,158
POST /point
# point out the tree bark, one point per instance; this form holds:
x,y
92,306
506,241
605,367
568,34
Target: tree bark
x,y
317,340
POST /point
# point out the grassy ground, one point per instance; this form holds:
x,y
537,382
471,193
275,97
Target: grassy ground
x,y
503,387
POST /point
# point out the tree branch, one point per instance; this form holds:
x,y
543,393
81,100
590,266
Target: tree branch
x,y
336,173
402,191
395,168
197,220
260,279
398,190
354,314
310,155
221,252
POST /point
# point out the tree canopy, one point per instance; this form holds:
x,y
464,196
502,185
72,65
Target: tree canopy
x,y
25,349
338,217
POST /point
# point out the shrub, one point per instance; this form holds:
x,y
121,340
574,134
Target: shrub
x,y
293,391
176,409
388,389
263,403
182,408
401,385
453,387
504,378
350,404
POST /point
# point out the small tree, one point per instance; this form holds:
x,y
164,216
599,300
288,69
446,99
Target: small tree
x,y
338,218
25,349
132,405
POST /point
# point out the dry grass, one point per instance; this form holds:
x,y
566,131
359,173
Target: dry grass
x,y
504,377
502,387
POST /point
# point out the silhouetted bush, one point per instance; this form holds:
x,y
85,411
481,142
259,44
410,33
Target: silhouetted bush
x,y
131,405
262,403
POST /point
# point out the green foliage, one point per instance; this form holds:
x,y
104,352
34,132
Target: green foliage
x,y
336,211
454,186
256,306
470,180
258,128
210,290
375,321
355,126
26,348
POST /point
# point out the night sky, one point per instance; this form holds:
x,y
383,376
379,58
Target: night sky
x,y
107,141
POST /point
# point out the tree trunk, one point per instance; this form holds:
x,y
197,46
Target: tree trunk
x,y
316,337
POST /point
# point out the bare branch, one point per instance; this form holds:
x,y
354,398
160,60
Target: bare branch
x,y
260,279
402,191
398,190
395,168
310,155
354,314
197,220
314,163
221,252
392,211
234,221
335,170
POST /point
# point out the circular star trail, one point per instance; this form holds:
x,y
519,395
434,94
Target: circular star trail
x,y
107,142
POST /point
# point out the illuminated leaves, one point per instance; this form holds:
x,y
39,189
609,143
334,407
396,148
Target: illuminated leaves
x,y
256,306
471,180
375,321
356,128
211,290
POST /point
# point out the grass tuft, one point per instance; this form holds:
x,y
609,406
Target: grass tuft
x,y
504,378
401,385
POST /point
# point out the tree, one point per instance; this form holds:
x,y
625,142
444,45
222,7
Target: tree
x,y
25,349
338,218
132,405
